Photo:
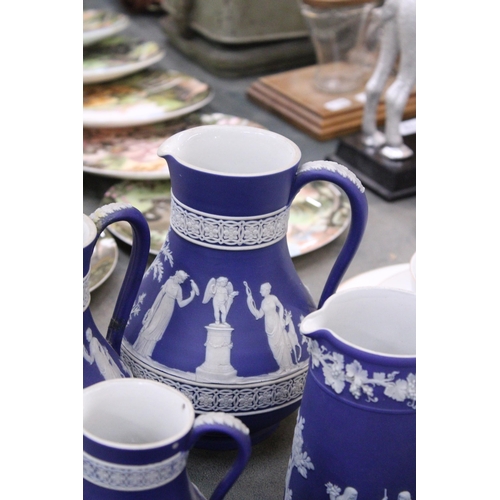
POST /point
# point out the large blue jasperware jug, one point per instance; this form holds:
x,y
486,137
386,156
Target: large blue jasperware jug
x,y
100,360
218,312
355,436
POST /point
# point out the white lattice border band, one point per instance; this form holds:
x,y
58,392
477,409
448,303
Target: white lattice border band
x,y
247,400
133,477
229,233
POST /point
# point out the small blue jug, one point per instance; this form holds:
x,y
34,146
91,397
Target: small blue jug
x,y
100,361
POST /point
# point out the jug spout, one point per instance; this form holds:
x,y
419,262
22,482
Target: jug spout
x,y
366,321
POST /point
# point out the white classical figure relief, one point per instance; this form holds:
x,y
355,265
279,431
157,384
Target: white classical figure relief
x,y
99,355
398,42
275,324
157,318
221,292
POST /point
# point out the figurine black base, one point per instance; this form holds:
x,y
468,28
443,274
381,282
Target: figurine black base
x,y
390,179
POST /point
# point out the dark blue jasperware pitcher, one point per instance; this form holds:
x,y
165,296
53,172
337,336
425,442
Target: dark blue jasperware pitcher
x,y
355,436
100,361
217,315
137,435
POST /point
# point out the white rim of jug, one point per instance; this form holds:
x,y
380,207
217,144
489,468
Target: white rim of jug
x,y
282,146
141,385
312,318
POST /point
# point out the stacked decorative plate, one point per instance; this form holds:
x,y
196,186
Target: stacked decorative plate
x,y
123,90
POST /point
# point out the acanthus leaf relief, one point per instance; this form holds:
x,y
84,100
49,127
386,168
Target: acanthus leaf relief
x,y
338,375
334,167
100,214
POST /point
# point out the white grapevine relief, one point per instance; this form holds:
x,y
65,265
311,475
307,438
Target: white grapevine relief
x,y
339,376
298,457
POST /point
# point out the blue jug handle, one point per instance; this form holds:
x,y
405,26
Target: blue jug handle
x,y
233,427
325,170
102,218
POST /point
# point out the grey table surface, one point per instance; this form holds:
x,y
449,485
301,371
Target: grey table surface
x,y
390,238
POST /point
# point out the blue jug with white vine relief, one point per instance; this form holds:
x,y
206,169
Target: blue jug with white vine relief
x,y
355,435
100,360
218,311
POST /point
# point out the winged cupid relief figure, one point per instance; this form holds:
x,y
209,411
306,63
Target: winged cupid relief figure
x,y
222,293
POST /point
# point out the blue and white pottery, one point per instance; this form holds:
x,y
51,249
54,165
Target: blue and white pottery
x,y
355,436
100,361
136,439
218,311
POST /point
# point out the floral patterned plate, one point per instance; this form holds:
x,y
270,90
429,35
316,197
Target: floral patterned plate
x,y
319,214
103,261
149,96
99,24
118,56
130,152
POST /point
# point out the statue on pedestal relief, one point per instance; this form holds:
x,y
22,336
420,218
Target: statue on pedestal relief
x,y
217,365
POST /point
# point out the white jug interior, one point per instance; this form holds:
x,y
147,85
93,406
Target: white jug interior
x,y
232,150
376,320
133,413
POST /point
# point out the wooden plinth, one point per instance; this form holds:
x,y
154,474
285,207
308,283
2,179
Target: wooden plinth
x,y
293,96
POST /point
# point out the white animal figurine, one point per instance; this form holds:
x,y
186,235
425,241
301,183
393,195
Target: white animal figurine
x,y
398,38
